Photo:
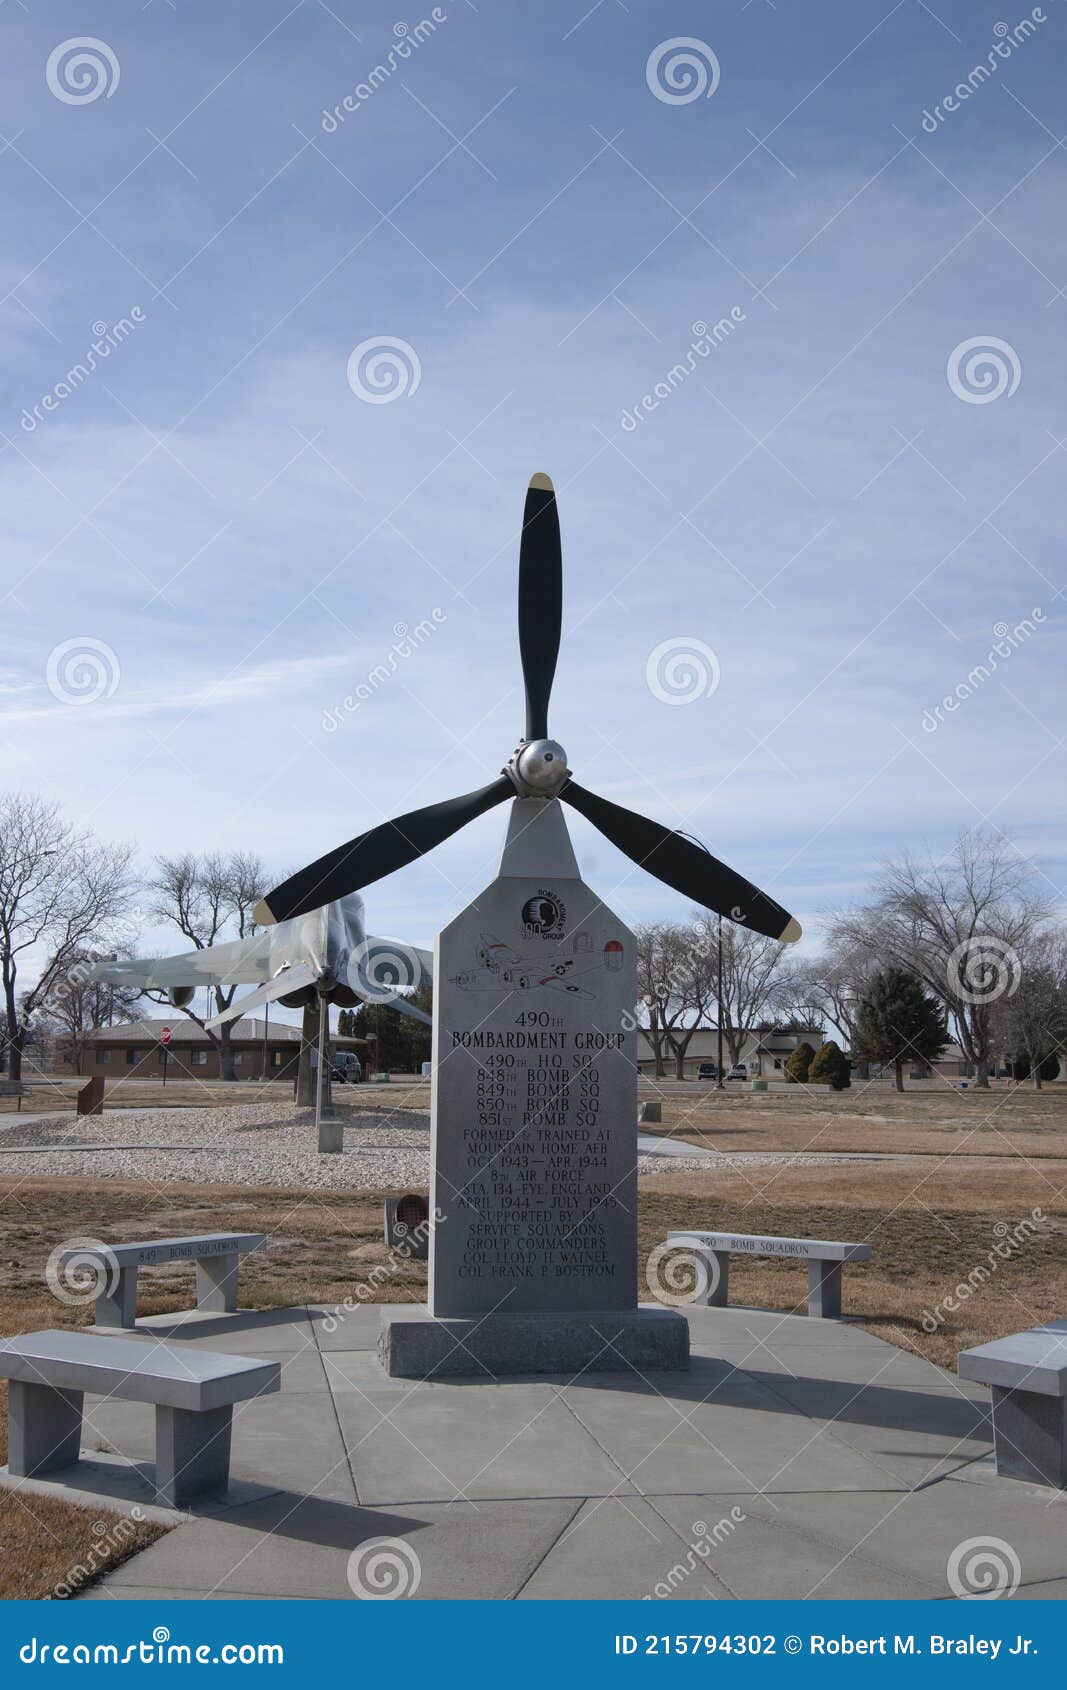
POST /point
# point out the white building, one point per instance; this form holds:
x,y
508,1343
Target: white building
x,y
764,1052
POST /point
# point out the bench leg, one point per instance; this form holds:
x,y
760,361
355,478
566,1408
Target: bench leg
x,y
192,1454
119,1307
44,1428
716,1266
216,1284
1030,1436
824,1290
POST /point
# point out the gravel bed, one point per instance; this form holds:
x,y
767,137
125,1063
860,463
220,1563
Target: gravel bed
x,y
270,1144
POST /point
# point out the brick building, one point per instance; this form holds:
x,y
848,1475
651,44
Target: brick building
x,y
133,1049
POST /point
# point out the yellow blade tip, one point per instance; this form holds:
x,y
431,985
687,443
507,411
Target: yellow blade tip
x,y
542,483
791,931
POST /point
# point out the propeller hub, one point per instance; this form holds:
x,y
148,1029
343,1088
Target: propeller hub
x,y
539,769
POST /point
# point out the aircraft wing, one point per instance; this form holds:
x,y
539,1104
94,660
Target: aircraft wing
x,y
241,962
499,951
235,962
289,980
556,984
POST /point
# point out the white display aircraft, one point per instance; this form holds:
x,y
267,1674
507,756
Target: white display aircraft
x,y
326,954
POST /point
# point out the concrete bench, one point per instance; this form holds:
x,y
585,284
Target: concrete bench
x,y
1027,1378
824,1258
216,1255
193,1391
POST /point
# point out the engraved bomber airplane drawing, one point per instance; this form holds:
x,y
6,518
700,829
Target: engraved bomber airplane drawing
x,y
502,969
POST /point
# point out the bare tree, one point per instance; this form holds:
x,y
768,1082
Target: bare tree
x,y
662,955
60,892
753,982
209,898
828,988
694,993
79,1006
959,921
1032,1022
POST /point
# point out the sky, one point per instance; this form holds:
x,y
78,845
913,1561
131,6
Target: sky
x,y
346,312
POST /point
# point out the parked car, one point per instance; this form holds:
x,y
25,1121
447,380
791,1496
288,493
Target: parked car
x,y
707,1071
739,1071
345,1066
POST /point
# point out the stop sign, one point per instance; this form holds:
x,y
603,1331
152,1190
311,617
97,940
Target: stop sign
x,y
164,1036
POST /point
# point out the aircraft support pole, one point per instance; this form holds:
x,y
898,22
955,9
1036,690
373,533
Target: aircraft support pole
x,y
329,1129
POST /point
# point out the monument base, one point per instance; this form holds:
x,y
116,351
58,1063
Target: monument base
x,y
415,1345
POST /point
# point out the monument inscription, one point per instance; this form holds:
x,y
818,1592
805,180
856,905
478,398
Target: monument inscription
x,y
534,1091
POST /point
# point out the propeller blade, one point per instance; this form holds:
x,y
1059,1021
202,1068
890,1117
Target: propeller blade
x,y
377,852
540,601
687,867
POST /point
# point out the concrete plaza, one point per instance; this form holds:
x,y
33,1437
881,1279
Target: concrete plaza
x,y
796,1458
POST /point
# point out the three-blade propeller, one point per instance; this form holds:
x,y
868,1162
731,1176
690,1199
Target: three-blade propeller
x,y
537,769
